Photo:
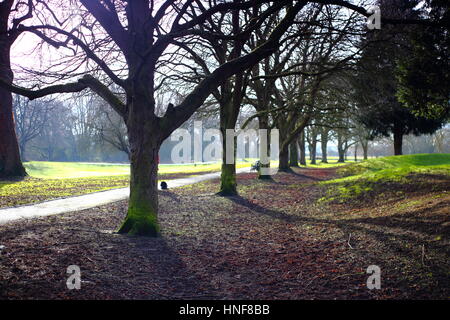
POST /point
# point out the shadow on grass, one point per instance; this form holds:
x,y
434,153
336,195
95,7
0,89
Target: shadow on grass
x,y
12,180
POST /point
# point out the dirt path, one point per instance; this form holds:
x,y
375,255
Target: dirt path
x,y
273,241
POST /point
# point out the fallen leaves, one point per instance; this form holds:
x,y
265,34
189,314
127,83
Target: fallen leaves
x,y
273,241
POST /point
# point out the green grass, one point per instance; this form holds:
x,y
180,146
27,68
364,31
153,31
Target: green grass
x,y
50,180
361,177
332,162
397,167
32,190
68,170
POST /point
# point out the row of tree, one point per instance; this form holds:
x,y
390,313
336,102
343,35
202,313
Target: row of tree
x,y
298,63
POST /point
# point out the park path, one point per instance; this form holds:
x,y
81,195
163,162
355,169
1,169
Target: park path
x,y
91,200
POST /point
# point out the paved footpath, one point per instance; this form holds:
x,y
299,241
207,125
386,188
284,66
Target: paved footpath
x,y
91,200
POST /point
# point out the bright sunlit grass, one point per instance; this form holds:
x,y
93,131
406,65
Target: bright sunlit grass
x,y
396,167
67,170
49,180
363,177
332,162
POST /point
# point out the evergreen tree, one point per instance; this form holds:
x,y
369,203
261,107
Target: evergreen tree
x,y
424,74
376,84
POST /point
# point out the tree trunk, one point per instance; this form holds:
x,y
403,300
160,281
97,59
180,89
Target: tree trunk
x,y
313,149
302,144
341,150
284,158
264,124
324,143
365,147
398,141
293,154
341,156
356,152
22,148
228,185
228,118
142,216
345,149
10,162
283,151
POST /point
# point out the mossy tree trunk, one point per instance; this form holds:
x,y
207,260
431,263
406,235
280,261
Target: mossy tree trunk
x,y
230,103
142,216
145,138
228,185
231,94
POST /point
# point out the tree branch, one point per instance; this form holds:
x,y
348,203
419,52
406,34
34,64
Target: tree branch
x,y
39,93
176,116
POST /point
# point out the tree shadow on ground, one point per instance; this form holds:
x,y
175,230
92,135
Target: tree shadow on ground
x,y
170,195
304,176
37,253
402,235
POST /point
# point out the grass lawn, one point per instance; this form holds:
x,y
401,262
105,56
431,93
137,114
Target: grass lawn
x,y
50,180
332,163
375,174
276,240
67,170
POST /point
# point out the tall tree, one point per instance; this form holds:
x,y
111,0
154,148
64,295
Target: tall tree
x,y
10,24
137,34
141,43
376,84
423,73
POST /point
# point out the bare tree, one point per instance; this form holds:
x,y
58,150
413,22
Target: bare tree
x,y
138,33
31,117
111,128
442,140
138,30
